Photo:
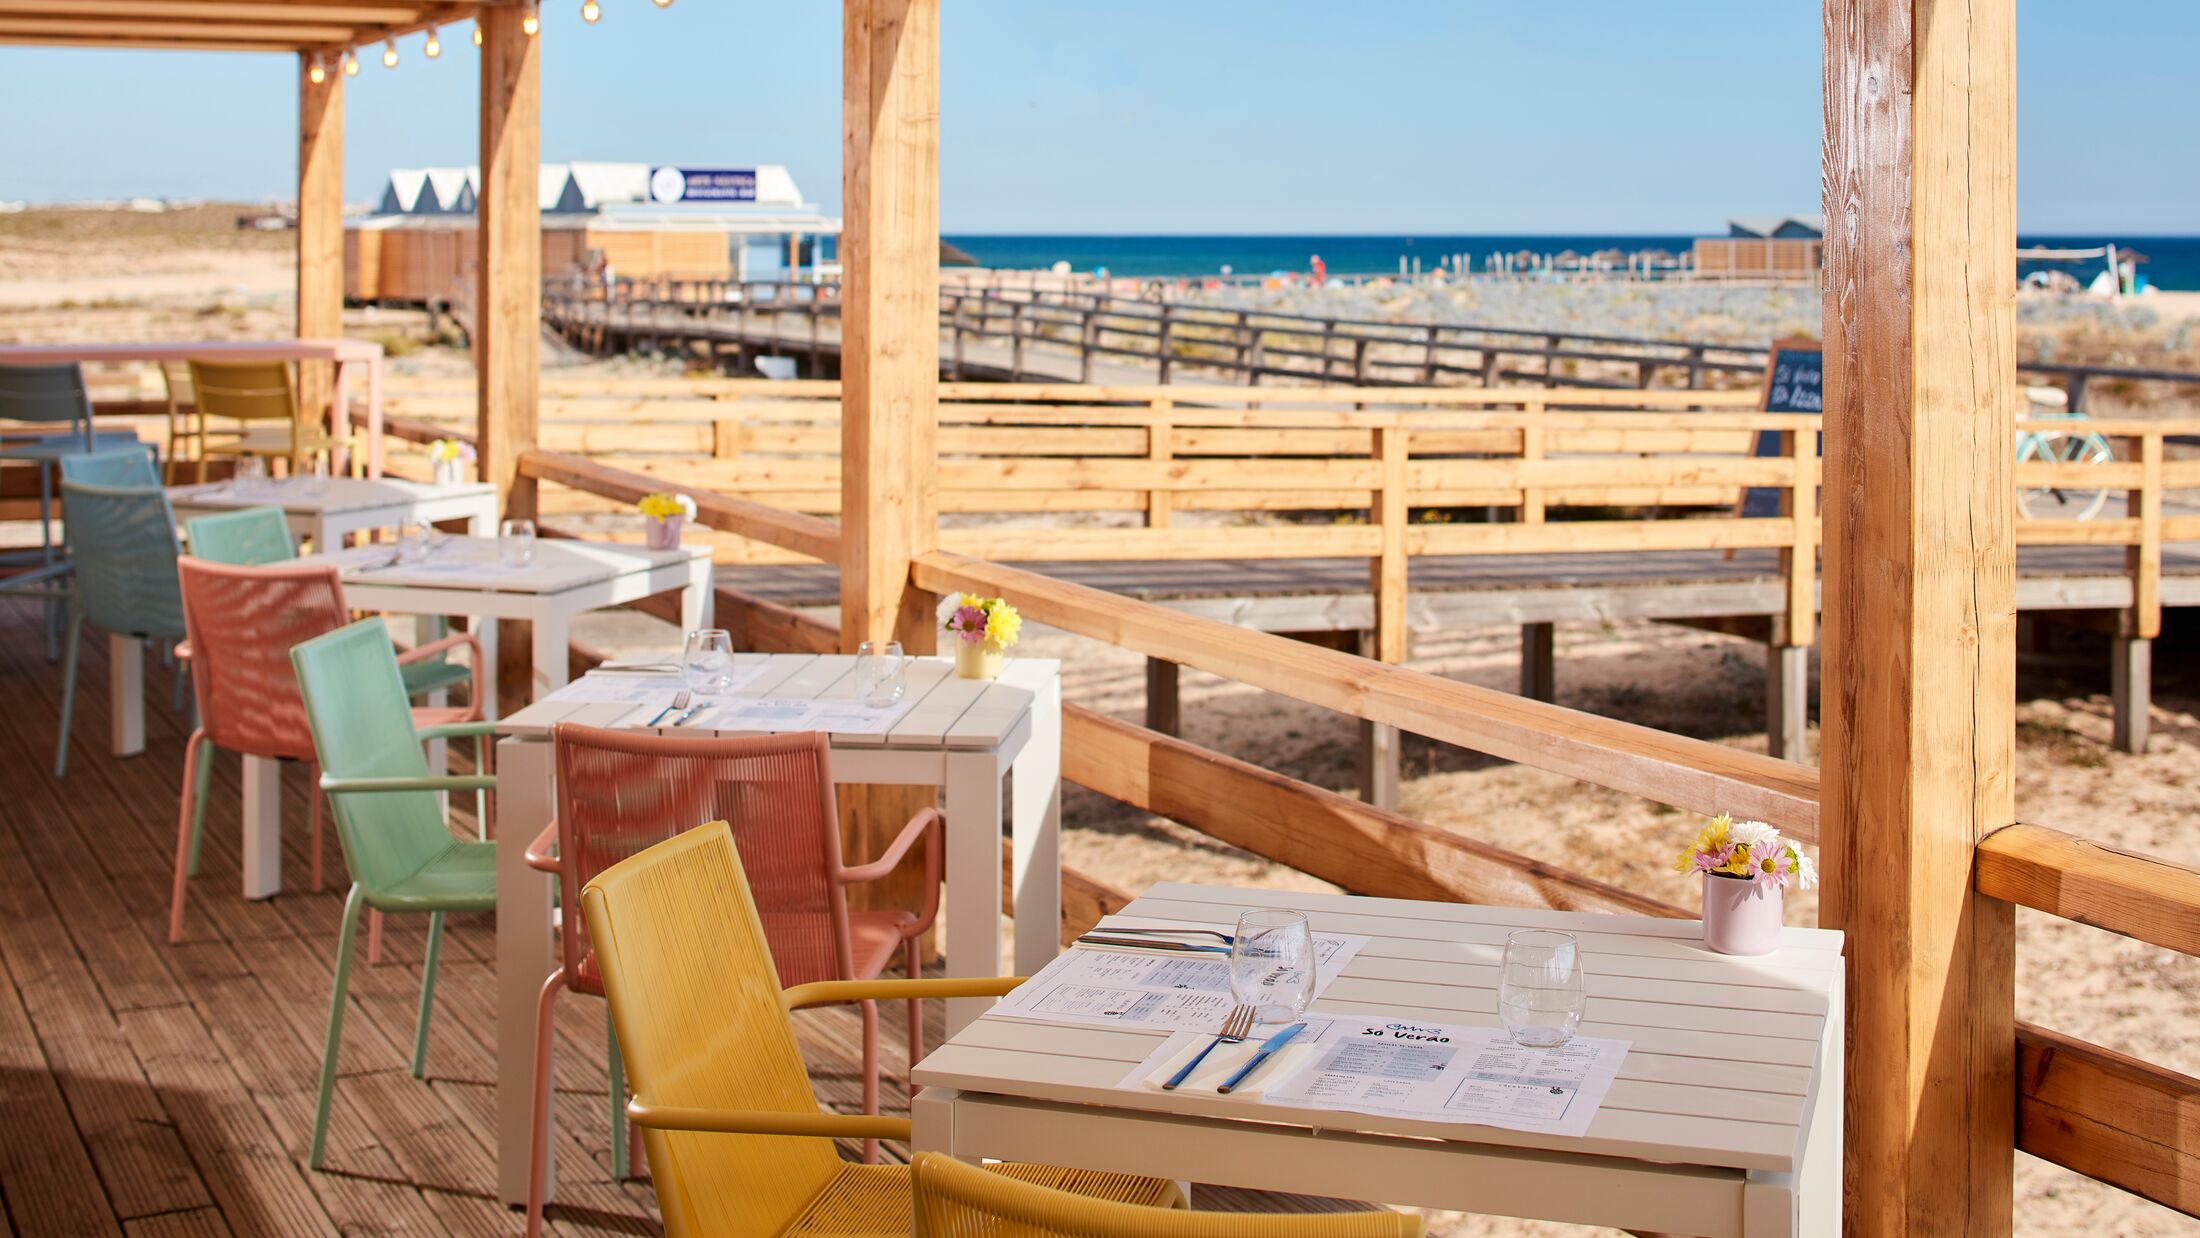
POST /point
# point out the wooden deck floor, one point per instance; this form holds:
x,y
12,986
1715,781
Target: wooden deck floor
x,y
154,1090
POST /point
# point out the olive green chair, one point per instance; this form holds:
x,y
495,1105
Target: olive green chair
x,y
397,845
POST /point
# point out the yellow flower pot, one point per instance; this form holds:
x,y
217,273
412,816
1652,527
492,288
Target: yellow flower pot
x,y
980,659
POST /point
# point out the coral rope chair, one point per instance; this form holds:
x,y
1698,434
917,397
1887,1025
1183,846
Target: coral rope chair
x,y
620,792
397,844
243,622
736,1141
249,392
954,1200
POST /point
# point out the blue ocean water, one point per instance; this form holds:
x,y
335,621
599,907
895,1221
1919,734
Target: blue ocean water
x,y
2173,262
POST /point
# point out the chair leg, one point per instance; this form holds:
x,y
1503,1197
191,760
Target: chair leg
x,y
68,693
427,994
198,805
313,814
374,939
356,900
616,1066
538,1135
187,831
914,953
870,1074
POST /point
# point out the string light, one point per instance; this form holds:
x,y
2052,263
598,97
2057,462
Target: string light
x,y
351,64
477,32
434,47
591,12
389,54
532,22
662,4
315,73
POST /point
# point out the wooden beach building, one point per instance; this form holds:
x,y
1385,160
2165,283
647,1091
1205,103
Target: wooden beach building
x,y
150,1089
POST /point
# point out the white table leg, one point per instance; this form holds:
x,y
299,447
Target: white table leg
x,y
126,694
525,950
1769,1205
696,600
438,750
263,827
485,631
932,1117
973,894
551,652
1035,818
374,417
339,408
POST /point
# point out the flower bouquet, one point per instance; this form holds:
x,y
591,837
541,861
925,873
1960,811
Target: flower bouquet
x,y
983,629
662,516
449,457
1745,866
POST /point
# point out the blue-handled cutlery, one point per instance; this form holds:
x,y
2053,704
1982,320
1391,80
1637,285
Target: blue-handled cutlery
x,y
1273,1043
1234,1029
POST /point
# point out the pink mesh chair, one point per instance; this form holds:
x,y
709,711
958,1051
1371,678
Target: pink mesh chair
x,y
621,792
242,622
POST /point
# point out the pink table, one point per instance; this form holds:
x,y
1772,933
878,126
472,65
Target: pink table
x,y
345,353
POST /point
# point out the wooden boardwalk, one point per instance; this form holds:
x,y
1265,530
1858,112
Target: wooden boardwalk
x,y
162,1090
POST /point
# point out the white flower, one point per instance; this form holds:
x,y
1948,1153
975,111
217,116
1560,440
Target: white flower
x,y
1806,871
1753,835
687,504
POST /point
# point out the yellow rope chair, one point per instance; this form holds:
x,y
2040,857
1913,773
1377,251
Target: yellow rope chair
x,y
955,1200
719,1085
247,392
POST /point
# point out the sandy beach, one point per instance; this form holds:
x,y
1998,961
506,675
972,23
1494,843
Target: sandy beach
x,y
202,279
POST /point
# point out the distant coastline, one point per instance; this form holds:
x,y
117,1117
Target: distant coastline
x,y
2173,262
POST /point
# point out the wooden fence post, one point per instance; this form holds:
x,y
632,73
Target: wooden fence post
x,y
1920,662
1381,754
1160,449
1016,341
1161,340
1787,652
1531,451
320,237
2133,644
1088,341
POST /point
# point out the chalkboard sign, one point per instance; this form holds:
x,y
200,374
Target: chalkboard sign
x,y
1795,382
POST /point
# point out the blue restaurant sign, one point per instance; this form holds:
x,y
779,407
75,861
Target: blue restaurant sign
x,y
670,184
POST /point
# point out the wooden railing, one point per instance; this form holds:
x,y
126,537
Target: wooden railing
x,y
2115,1118
1001,332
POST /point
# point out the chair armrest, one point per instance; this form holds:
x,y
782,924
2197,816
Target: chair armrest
x,y
821,992
456,730
540,857
928,819
421,653
766,1122
451,782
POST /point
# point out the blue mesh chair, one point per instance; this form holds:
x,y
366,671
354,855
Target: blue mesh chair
x,y
123,542
113,466
257,536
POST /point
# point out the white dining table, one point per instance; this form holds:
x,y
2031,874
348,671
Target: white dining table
x,y
348,355
326,511
1725,1120
963,736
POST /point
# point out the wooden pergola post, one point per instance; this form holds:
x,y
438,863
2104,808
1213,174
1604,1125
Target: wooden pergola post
x,y
889,366
508,291
1920,614
320,227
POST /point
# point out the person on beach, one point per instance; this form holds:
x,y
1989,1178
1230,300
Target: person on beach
x,y
1321,271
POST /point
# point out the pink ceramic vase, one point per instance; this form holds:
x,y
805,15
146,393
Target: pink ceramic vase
x,y
663,534
1740,917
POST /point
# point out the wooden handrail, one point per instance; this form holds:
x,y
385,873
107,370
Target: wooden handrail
x,y
1686,773
2141,896
2109,1116
804,535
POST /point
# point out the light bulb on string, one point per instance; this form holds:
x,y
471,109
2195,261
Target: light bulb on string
x,y
591,12
532,22
351,64
477,32
389,54
662,4
434,46
315,73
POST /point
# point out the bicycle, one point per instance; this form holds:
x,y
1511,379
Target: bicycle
x,y
2060,446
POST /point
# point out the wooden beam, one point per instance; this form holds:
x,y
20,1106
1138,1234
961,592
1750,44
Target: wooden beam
x,y
889,315
508,289
2139,896
1920,606
2129,1123
320,227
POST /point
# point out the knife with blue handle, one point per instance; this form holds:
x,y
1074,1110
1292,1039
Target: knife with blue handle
x,y
1273,1043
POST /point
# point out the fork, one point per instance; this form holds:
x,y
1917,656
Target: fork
x,y
1234,1031
679,701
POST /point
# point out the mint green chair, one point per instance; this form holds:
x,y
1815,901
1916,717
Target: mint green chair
x,y
397,845
122,541
257,536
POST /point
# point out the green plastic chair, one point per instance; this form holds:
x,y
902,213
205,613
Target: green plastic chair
x,y
397,845
257,536
44,396
122,540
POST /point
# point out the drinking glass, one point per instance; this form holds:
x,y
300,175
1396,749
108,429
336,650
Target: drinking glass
x,y
314,480
882,673
516,543
1539,989
1272,965
412,542
250,472
707,664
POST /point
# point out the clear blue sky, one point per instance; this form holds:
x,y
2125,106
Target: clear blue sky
x,y
1186,116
